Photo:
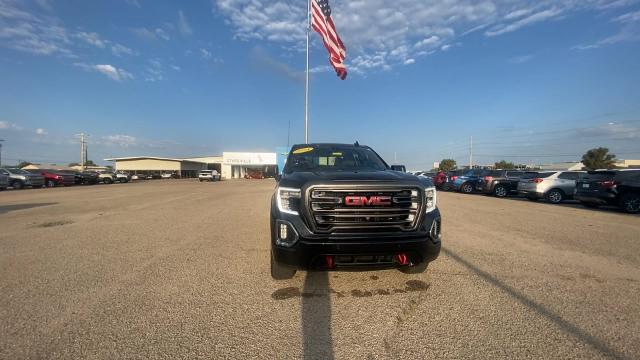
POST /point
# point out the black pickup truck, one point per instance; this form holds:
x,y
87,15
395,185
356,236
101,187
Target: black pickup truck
x,y
339,206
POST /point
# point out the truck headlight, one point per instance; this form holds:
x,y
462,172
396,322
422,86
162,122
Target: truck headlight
x,y
288,200
430,199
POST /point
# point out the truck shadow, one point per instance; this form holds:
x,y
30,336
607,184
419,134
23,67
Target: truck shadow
x,y
8,208
316,317
564,325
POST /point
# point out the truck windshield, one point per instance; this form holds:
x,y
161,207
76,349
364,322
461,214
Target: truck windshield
x,y
334,158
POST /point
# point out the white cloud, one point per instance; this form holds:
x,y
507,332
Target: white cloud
x,y
119,50
41,131
628,17
109,70
380,34
206,54
92,39
531,19
154,71
520,59
26,31
133,3
626,34
183,24
120,140
162,34
5,125
151,34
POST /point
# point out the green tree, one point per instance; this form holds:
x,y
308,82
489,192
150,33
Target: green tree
x,y
503,164
599,158
90,163
447,165
73,164
23,164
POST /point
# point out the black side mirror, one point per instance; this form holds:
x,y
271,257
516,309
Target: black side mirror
x,y
400,168
278,177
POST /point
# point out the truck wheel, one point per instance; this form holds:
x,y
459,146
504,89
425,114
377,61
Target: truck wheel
x,y
108,181
630,203
17,185
415,269
466,188
279,272
51,183
500,191
554,196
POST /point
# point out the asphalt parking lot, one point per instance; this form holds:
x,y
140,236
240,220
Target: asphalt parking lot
x,y
180,269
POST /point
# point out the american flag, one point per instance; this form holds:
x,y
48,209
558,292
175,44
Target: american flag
x,y
323,24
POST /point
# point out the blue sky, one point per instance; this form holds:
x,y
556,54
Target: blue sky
x,y
531,81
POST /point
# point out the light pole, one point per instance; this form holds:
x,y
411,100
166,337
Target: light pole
x,y
1,140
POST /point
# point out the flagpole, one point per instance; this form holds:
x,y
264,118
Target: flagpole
x,y
306,86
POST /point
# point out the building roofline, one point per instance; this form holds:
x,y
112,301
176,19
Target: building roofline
x,y
151,157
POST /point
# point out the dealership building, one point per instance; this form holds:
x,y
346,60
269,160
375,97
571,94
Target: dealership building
x,y
232,165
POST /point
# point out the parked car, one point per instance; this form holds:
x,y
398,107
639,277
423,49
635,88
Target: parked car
x,y
54,178
209,175
4,182
451,177
153,176
107,177
123,177
86,178
619,188
136,177
169,176
502,183
554,186
19,178
469,182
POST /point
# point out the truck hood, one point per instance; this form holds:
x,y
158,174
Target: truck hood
x,y
301,179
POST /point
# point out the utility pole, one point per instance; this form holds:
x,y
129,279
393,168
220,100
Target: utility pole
x,y
1,140
83,150
471,153
395,157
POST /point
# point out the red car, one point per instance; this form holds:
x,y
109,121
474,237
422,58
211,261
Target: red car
x,y
56,178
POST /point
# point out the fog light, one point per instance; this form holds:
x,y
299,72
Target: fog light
x,y
287,235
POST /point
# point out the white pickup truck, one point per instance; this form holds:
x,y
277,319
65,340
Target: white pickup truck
x,y
209,175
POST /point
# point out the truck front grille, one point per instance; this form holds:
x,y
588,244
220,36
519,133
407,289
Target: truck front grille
x,y
334,209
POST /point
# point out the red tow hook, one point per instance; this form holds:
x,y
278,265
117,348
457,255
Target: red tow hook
x,y
329,260
402,259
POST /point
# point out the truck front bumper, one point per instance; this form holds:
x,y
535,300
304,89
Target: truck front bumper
x,y
358,251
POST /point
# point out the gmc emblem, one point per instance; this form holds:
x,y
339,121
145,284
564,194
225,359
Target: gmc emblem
x,y
367,200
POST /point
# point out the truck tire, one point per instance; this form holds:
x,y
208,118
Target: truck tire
x,y
500,191
17,185
415,269
108,181
51,183
466,188
630,203
554,196
279,272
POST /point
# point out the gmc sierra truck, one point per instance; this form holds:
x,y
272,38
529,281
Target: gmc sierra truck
x,y
339,207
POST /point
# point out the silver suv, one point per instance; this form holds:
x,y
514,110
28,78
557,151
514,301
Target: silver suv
x,y
554,186
19,178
